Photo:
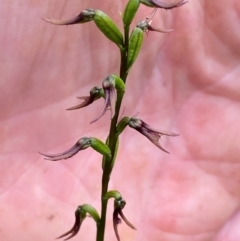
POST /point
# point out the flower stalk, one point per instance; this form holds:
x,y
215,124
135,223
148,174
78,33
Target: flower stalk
x,y
112,91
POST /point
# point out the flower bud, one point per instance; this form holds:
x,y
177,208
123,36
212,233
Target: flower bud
x,y
130,11
135,43
108,27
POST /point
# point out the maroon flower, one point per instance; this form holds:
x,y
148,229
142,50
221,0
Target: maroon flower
x,y
80,215
95,94
118,206
110,98
81,144
152,134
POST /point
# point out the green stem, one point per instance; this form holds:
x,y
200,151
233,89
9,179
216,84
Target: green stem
x,y
112,140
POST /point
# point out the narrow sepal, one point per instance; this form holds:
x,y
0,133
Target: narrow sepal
x,y
145,26
85,16
135,43
95,94
116,221
100,147
164,5
130,11
80,215
152,134
108,27
81,144
126,220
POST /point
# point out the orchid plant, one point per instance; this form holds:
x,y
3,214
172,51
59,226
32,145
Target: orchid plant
x,y
112,91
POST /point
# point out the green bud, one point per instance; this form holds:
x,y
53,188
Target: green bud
x,y
130,11
92,211
122,124
100,147
108,27
113,194
135,43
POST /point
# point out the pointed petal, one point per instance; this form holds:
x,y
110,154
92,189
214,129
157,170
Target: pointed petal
x,y
150,129
73,231
82,144
116,222
105,107
87,101
125,220
150,28
154,138
70,21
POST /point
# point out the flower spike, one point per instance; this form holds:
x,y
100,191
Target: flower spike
x,y
81,144
160,4
152,134
85,16
80,215
95,94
